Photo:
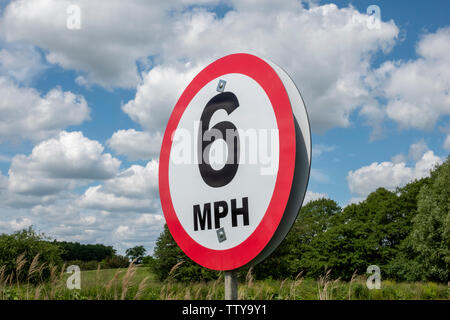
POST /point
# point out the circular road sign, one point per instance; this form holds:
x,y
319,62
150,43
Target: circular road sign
x,y
234,163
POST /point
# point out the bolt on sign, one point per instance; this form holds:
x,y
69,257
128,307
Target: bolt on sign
x,y
235,162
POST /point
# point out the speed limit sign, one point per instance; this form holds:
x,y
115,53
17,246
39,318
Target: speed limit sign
x,y
235,161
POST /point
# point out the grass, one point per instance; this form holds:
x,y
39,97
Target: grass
x,y
139,283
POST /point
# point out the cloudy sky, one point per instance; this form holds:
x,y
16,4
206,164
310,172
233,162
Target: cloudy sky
x,y
83,104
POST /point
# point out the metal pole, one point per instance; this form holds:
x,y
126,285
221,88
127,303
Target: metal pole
x,y
231,285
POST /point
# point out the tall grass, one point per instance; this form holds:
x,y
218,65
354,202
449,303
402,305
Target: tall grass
x,y
137,282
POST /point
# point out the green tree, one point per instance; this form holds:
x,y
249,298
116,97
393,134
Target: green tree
x,y
114,262
84,252
405,266
341,248
29,244
167,254
430,236
149,261
136,253
313,219
363,234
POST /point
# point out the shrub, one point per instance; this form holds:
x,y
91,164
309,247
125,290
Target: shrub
x,y
148,261
86,252
84,265
168,255
430,291
115,262
360,291
27,256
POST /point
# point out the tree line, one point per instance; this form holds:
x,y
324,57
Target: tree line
x,y
25,248
406,232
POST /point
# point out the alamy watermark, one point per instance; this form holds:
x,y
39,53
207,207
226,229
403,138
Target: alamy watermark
x,y
374,280
74,280
374,20
73,21
218,148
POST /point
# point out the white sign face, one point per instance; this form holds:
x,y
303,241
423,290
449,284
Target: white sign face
x,y
236,139
256,172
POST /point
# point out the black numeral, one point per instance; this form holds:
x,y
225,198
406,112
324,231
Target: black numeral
x,y
224,130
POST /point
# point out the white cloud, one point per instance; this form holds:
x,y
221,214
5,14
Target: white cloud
x,y
20,223
128,203
136,145
356,200
331,91
428,161
122,230
15,201
25,114
97,198
64,219
375,117
333,48
417,90
319,149
157,94
311,196
447,143
82,81
398,158
319,175
135,182
144,229
3,182
20,62
416,150
15,224
58,163
135,190
389,175
385,174
123,33
149,219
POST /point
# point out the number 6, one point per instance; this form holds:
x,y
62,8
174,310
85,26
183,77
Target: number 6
x,y
218,178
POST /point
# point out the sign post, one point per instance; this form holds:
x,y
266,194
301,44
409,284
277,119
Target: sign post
x,y
231,285
234,164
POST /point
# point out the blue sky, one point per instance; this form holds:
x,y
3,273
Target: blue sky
x,y
82,110
415,19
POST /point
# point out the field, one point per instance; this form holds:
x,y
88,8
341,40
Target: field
x,y
139,283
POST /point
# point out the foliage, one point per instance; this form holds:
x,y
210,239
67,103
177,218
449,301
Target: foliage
x,y
136,253
22,252
167,254
116,261
138,284
113,262
148,261
370,232
84,265
84,252
314,219
430,237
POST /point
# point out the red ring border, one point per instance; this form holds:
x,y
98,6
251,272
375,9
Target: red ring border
x,y
268,79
